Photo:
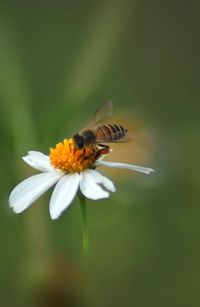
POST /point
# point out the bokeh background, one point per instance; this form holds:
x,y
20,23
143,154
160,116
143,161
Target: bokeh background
x,y
59,61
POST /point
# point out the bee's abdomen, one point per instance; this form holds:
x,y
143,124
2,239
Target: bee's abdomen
x,y
111,132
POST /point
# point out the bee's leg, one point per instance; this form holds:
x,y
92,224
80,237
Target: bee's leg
x,y
82,154
104,150
92,154
103,146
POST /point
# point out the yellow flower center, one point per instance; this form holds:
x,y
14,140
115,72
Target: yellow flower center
x,y
68,157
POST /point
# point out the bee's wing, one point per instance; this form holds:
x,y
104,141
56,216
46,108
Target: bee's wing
x,y
124,139
103,112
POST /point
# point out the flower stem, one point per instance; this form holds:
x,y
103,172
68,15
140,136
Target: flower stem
x,y
84,224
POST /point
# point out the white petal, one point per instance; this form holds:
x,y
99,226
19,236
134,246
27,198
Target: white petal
x,y
89,186
63,194
100,179
131,167
29,190
38,161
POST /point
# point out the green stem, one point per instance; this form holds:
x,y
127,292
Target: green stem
x,y
84,224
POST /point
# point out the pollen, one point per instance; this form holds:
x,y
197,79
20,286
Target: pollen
x,y
67,157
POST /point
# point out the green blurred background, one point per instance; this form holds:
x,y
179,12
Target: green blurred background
x,y
59,61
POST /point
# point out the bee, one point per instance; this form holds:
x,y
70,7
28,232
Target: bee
x,y
96,133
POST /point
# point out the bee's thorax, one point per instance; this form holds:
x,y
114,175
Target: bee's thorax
x,y
88,137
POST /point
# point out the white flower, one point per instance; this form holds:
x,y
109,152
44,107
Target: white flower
x,y
88,181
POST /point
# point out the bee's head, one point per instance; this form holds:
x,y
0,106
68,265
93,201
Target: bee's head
x,y
78,140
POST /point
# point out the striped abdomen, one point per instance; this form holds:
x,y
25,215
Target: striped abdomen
x,y
109,132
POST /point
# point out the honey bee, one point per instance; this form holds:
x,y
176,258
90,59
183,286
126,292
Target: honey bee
x,y
96,133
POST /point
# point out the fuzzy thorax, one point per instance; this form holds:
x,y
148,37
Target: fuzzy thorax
x,y
67,157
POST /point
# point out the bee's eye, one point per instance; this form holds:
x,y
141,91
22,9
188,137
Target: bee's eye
x,y
78,140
